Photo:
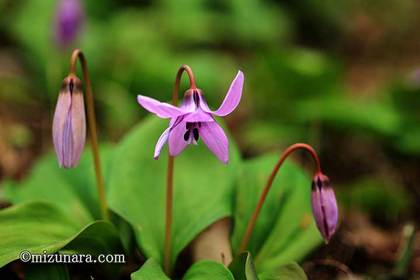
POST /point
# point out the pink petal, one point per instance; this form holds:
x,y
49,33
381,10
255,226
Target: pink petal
x,y
60,116
215,139
198,116
161,142
176,138
78,127
233,96
188,104
161,109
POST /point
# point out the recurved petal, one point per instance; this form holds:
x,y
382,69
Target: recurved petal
x,y
161,142
233,96
161,109
176,137
215,139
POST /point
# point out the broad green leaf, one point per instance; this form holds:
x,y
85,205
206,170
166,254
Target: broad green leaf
x,y
285,230
373,116
150,270
243,268
290,271
202,189
72,190
33,227
208,270
99,237
37,227
47,272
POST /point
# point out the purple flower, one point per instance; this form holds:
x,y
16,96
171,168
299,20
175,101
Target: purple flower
x,y
324,206
195,120
69,124
69,19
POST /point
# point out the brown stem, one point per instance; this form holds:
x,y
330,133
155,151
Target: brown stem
x,y
78,54
252,221
190,74
170,175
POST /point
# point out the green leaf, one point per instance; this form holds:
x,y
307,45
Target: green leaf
x,y
33,227
37,227
56,190
202,189
47,272
290,271
357,114
150,270
208,270
243,268
72,190
285,230
99,237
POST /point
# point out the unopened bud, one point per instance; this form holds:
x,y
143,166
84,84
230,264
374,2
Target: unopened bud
x,y
69,20
324,206
69,124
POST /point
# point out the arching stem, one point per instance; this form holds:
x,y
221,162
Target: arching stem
x,y
170,175
78,54
252,221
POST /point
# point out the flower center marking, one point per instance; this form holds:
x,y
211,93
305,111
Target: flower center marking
x,y
196,98
192,135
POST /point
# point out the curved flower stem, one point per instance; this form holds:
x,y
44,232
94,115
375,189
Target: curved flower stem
x,y
78,54
252,221
190,74
170,174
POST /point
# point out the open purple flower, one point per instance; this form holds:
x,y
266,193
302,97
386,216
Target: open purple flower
x,y
69,123
324,206
194,120
69,20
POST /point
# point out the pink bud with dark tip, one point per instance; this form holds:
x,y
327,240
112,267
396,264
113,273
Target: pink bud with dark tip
x,y
69,124
324,206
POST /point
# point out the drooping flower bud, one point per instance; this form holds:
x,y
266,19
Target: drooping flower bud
x,y
69,20
324,206
69,124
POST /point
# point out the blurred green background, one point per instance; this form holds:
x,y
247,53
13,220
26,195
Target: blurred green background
x,y
343,76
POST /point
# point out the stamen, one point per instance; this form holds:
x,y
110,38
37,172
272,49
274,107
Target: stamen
x,y
187,135
196,135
